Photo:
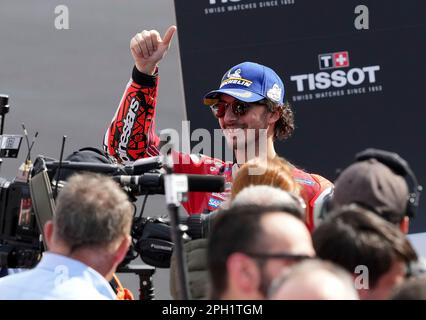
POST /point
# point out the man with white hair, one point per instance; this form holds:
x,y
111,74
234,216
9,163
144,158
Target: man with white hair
x,y
314,280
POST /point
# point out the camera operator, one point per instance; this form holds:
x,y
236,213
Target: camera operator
x,y
87,239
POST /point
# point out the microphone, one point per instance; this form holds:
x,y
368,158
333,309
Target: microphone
x,y
86,166
205,183
141,166
154,182
151,182
28,141
29,146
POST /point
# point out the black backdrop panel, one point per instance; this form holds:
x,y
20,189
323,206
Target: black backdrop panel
x,y
350,89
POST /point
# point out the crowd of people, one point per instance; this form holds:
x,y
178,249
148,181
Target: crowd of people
x,y
278,232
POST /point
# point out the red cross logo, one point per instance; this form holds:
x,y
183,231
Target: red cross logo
x,y
341,59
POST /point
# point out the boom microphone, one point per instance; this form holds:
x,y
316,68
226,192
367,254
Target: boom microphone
x,y
139,166
205,183
154,182
87,166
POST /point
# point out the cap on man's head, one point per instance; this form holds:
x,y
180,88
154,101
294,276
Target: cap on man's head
x,y
249,82
373,185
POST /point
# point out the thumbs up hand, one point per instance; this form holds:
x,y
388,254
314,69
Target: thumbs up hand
x,y
148,48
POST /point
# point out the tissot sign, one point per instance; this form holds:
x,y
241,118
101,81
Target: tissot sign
x,y
350,89
336,77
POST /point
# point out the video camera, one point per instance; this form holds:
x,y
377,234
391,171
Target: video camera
x,y
153,236
20,244
21,226
152,239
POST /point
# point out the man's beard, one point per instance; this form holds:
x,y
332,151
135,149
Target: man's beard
x,y
248,142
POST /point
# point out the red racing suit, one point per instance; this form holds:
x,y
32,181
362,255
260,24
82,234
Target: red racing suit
x,y
131,136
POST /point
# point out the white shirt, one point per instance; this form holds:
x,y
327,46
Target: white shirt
x,y
56,277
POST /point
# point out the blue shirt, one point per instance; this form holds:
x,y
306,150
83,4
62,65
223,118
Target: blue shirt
x,y
56,277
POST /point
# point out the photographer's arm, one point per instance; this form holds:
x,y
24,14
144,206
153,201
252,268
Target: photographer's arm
x,y
131,134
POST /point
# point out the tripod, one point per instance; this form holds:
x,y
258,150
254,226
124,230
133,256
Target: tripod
x,y
145,273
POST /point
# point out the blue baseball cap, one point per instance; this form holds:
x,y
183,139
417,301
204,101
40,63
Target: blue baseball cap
x,y
249,82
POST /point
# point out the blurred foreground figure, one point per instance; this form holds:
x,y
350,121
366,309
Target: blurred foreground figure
x,y
250,245
314,280
376,252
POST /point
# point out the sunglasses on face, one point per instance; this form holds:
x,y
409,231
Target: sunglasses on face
x,y
279,255
239,108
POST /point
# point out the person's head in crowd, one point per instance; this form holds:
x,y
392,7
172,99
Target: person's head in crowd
x,y
251,98
314,280
249,246
86,240
411,289
275,173
92,223
373,185
372,249
270,196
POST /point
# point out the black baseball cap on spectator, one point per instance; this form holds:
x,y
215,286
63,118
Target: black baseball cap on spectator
x,y
373,185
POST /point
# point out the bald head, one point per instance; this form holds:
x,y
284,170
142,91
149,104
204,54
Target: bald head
x,y
282,231
314,280
261,194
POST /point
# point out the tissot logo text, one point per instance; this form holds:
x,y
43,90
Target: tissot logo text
x,y
337,76
337,79
330,78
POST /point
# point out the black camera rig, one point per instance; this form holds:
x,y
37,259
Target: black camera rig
x,y
154,239
19,238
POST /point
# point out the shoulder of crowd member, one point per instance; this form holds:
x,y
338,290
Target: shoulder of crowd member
x,y
417,268
195,253
412,289
143,79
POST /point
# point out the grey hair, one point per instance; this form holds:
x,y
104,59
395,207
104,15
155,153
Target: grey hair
x,y
264,195
92,210
310,266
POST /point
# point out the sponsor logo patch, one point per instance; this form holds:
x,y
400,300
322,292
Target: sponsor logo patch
x,y
245,94
304,181
274,93
235,74
215,203
219,195
238,81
